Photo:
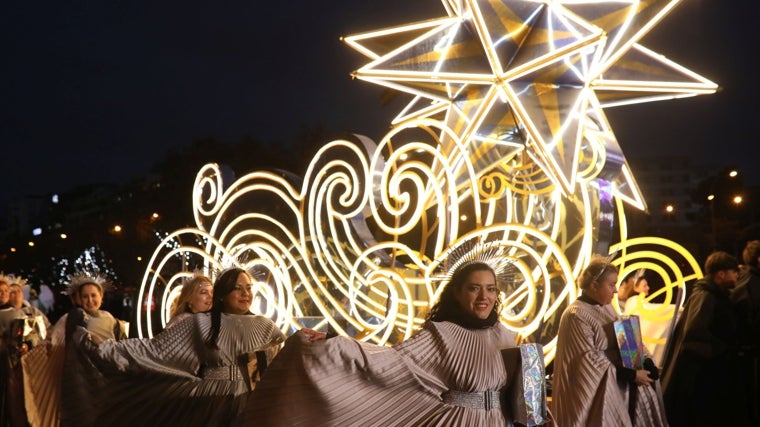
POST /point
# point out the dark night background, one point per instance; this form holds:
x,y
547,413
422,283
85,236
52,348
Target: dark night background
x,y
99,91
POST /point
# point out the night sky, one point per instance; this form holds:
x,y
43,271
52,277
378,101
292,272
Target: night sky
x,y
99,91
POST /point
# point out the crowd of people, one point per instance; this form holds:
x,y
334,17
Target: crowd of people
x,y
217,364
711,372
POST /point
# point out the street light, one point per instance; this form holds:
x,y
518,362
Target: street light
x,y
725,181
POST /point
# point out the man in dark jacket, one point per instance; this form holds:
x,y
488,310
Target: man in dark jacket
x,y
699,378
745,299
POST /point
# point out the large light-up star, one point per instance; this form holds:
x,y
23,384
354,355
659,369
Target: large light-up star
x,y
508,115
513,75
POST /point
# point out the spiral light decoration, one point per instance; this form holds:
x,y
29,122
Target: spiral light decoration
x,y
505,140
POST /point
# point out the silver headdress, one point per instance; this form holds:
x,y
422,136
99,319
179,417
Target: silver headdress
x,y
639,274
257,271
12,279
492,253
607,261
195,275
81,278
241,260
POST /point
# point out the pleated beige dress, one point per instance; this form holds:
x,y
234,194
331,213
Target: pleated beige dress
x,y
343,382
171,379
43,366
585,389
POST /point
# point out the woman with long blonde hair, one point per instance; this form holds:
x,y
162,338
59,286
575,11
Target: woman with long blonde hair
x,y
196,296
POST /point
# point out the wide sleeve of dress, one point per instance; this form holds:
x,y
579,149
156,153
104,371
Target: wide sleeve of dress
x,y
342,382
339,381
42,368
181,350
42,378
173,378
171,352
178,318
126,381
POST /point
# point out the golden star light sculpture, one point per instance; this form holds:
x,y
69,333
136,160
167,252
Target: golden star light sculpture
x,y
504,143
532,75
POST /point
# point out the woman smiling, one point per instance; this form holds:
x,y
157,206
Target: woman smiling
x,y
200,367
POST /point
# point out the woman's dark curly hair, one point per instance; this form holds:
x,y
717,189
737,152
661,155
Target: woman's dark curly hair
x,y
223,285
448,308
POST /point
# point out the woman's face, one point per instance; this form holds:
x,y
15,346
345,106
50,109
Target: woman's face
x,y
4,293
16,296
477,295
90,297
641,287
202,298
239,300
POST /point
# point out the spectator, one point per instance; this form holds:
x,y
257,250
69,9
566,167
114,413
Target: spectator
x,y
699,375
745,299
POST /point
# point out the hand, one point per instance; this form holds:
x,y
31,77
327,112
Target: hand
x,y
649,365
642,377
23,349
314,335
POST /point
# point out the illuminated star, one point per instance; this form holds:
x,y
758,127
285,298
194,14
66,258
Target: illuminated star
x,y
510,75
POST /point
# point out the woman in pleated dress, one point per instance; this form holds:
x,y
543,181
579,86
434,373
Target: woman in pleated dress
x,y
448,373
590,385
47,366
198,372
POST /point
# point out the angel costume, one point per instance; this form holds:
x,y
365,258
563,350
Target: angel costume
x,y
43,366
174,378
178,318
443,375
104,325
586,390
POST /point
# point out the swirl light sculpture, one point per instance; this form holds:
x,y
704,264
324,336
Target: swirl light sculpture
x,y
505,140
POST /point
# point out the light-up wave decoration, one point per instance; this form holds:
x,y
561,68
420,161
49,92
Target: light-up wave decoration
x,y
505,141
